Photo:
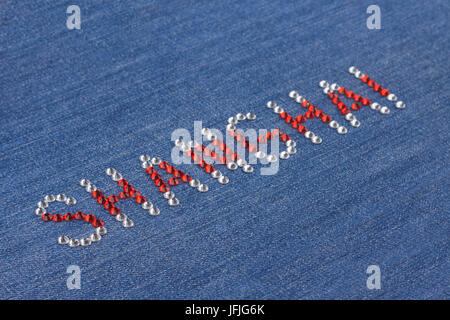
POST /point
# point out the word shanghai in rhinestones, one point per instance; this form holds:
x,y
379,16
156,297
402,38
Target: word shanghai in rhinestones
x,y
212,150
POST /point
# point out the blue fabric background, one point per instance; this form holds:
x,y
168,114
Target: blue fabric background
x,y
76,102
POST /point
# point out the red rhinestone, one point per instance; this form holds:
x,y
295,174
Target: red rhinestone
x,y
96,194
163,165
142,199
376,87
342,90
294,124
305,103
169,168
326,118
174,181
57,217
384,92
335,100
356,106
123,195
318,113
284,137
365,78
356,97
114,211
186,178
101,199
365,101
122,182
178,173
90,218
113,198
164,189
283,115
288,119
301,129
150,170
349,94
80,215
309,115
159,182
340,105
46,217
370,83
98,223
107,205
209,168
68,216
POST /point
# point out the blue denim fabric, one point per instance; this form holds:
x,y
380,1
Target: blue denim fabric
x,y
74,102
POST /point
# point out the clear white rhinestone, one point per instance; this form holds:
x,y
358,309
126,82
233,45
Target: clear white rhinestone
x,y
101,231
202,188
293,94
291,150
156,161
42,204
63,240
85,242
240,116
349,116
169,195
223,180
342,130
392,97
241,162
40,211
284,155
61,197
73,243
232,166
127,223
278,109
247,168
194,183
400,105
232,120
291,143
323,84
95,237
271,104
173,202
71,201
84,182
147,205
316,140
250,116
352,70
309,134
260,155
154,211
49,198
355,123
271,158
375,106
385,110
146,164
144,157
334,124
216,174
110,171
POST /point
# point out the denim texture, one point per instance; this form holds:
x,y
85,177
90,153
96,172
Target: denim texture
x,y
74,102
